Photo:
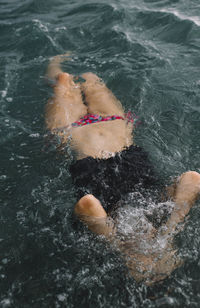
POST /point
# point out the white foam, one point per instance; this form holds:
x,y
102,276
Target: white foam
x,y
3,93
175,12
34,135
5,302
62,297
114,6
45,30
134,226
9,99
194,19
60,28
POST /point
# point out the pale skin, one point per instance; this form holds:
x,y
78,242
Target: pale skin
x,y
67,107
96,140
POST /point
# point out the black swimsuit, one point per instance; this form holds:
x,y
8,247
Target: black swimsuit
x,y
110,179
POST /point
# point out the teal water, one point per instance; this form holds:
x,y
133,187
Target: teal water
x,y
147,52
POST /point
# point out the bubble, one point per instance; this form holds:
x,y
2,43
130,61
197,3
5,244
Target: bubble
x,y
3,93
5,303
61,297
36,135
9,99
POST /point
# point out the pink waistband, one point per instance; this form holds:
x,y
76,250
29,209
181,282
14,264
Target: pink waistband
x,y
130,117
95,118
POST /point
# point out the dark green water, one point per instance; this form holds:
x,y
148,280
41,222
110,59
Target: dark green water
x,y
148,53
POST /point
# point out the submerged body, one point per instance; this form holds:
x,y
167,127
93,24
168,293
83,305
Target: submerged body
x,y
109,166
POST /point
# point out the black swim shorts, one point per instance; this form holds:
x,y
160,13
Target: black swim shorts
x,y
111,179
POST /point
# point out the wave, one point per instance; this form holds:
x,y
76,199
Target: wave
x,y
193,19
172,11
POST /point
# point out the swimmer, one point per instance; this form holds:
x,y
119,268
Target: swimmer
x,y
109,165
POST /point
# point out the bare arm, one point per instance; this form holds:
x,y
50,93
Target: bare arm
x,y
158,261
186,193
90,211
148,266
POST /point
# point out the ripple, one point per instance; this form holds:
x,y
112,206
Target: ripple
x,y
181,16
147,52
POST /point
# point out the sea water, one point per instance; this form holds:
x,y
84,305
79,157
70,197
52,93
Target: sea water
x,y
147,52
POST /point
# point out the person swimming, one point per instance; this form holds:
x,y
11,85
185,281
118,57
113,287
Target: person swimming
x,y
109,166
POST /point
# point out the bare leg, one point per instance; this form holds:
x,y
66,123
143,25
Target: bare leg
x,y
66,106
99,98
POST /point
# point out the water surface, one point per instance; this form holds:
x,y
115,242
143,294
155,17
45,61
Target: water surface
x,y
147,52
